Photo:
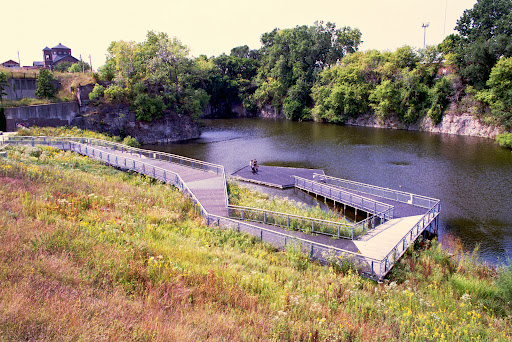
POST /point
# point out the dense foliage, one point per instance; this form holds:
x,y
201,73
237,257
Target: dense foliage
x,y
404,83
316,72
485,35
3,85
291,60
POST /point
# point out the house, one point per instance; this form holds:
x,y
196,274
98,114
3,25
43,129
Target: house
x,y
10,64
56,55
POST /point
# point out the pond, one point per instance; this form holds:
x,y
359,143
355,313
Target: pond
x,y
471,176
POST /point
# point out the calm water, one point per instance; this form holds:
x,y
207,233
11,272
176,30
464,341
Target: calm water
x,y
471,176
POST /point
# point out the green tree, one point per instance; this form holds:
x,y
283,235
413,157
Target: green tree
x,y
62,66
45,86
79,67
498,95
291,60
3,85
485,36
107,71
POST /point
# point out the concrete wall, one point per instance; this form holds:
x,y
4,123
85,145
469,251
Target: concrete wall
x,y
53,115
19,88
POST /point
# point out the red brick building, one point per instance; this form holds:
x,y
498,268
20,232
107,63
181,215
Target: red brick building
x,y
56,55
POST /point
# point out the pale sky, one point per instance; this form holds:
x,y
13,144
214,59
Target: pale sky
x,y
212,27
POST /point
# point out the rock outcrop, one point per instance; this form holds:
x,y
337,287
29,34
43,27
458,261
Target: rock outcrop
x,y
119,120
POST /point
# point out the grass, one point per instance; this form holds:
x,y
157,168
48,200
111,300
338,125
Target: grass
x,y
19,73
243,196
65,131
88,253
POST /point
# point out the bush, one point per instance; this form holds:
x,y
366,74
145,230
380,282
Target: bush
x,y
505,140
148,108
97,92
440,98
131,141
115,93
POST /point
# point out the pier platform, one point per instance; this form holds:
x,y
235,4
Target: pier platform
x,y
275,176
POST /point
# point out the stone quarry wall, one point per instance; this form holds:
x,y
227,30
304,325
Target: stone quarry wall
x,y
53,115
119,120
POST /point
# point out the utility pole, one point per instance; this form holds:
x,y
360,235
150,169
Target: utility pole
x,y
19,62
90,62
425,25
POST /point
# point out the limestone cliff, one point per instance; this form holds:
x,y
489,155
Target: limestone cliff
x,y
119,120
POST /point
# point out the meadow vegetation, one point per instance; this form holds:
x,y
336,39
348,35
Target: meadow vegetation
x,y
88,252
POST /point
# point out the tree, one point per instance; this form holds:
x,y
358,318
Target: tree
x,y
291,60
62,66
485,36
45,87
498,95
3,85
79,66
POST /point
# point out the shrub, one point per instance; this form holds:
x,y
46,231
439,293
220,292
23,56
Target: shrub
x,y
115,93
505,140
97,92
131,141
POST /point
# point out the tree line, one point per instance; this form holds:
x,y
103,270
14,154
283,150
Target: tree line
x,y
318,73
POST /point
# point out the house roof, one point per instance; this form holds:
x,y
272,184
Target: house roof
x,y
60,46
10,61
47,49
56,59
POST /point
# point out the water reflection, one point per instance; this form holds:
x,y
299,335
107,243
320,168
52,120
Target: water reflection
x,y
471,176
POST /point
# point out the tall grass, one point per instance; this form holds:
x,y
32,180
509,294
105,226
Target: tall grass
x,y
243,196
91,253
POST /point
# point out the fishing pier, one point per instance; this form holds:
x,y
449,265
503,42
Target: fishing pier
x,y
394,219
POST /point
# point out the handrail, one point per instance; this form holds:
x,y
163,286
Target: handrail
x,y
318,226
343,251
377,269
164,171
104,143
345,193
432,211
399,196
290,215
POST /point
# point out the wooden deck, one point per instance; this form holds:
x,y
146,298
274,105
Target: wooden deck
x,y
275,176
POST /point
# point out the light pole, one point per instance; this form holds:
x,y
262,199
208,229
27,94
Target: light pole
x,y
425,25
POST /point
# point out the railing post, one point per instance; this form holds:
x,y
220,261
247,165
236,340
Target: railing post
x,y
288,221
312,226
265,217
339,228
311,252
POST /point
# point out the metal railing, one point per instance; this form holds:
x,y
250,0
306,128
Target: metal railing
x,y
172,158
411,236
127,163
369,267
346,197
395,195
296,222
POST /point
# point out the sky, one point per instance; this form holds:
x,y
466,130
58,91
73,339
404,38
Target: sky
x,y
213,27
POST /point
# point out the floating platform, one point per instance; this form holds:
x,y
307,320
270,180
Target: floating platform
x,y
275,176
